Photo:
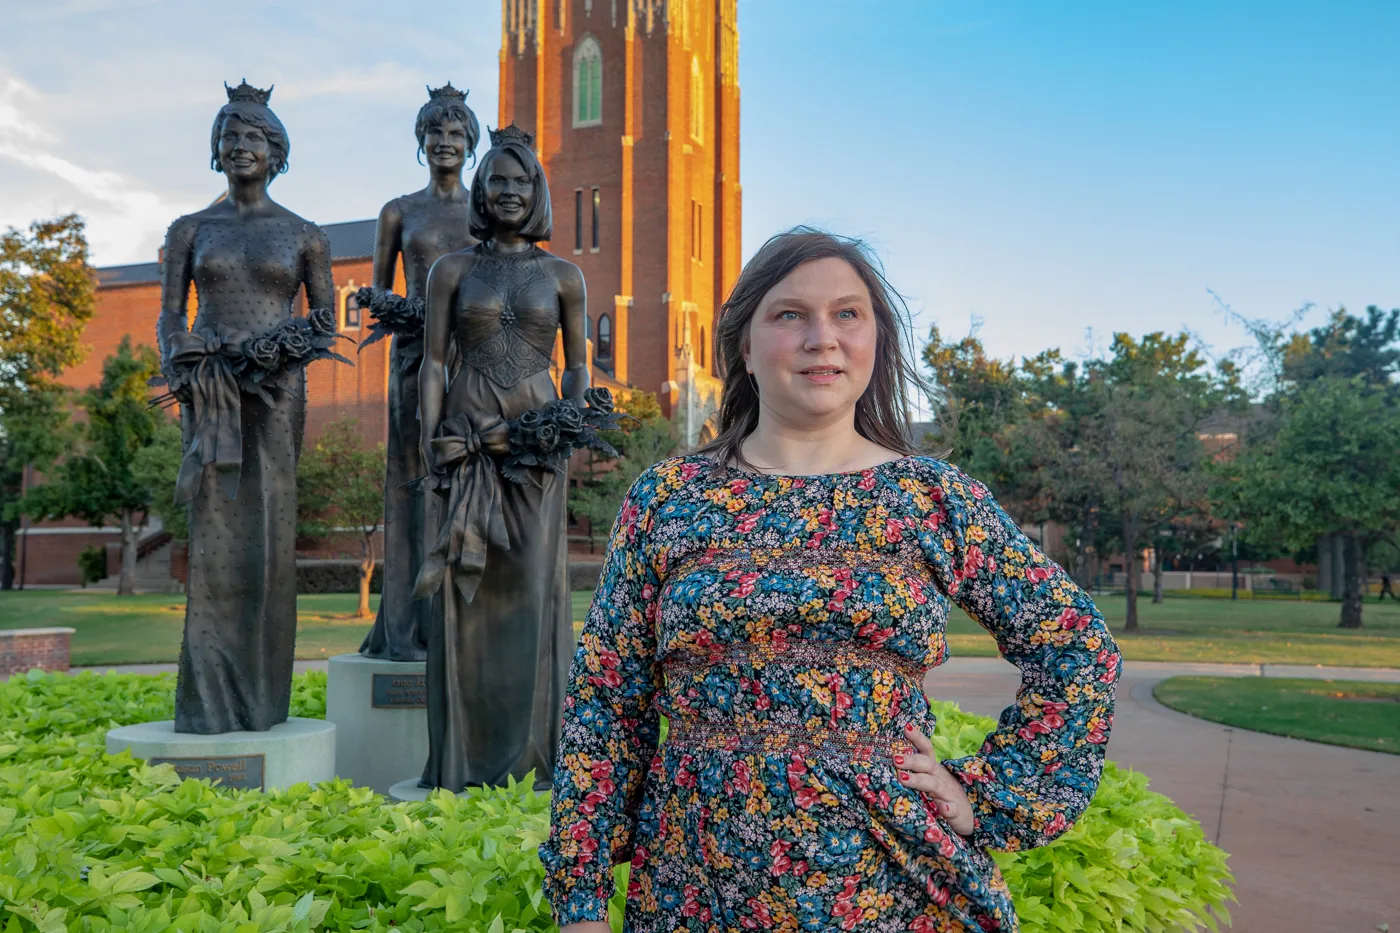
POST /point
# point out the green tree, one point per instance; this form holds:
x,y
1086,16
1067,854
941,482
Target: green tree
x,y
97,481
602,485
156,466
340,486
47,295
1333,468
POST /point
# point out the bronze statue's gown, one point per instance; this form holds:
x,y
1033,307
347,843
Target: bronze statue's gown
x,y
400,626
241,612
498,664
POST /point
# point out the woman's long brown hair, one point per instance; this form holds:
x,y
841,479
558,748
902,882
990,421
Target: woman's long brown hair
x,y
882,412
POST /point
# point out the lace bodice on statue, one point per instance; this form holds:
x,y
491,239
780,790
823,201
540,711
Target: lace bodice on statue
x,y
507,315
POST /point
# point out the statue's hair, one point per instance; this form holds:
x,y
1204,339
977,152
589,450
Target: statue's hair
x,y
261,116
539,223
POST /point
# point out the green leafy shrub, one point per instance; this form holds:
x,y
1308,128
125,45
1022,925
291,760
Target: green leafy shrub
x,y
100,843
92,563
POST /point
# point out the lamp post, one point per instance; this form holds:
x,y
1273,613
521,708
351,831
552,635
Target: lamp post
x,y
1234,565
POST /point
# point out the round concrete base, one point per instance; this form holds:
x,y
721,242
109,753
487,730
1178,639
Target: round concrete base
x,y
378,708
406,791
296,751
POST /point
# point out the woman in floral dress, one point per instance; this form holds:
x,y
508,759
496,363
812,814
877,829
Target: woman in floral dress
x,y
778,598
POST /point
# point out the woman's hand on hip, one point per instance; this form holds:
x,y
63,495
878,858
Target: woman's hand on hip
x,y
923,772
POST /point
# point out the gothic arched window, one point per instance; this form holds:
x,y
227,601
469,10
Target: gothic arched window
x,y
588,82
603,348
352,310
697,100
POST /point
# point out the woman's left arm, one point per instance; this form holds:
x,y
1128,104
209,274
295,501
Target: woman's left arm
x,y
573,309
1035,775
316,272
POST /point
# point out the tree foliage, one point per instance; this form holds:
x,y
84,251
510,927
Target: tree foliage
x,y
602,486
47,295
98,479
340,486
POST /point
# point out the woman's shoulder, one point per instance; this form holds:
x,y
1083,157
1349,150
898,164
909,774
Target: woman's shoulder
x,y
935,473
665,478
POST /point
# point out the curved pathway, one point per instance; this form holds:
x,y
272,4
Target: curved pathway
x,y
1313,830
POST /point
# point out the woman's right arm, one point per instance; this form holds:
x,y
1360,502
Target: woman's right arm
x,y
611,728
437,325
388,240
176,273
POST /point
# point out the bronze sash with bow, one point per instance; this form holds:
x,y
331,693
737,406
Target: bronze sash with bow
x,y
217,439
473,520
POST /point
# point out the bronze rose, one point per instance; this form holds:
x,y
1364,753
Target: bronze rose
x,y
547,437
296,344
569,419
264,351
322,321
599,399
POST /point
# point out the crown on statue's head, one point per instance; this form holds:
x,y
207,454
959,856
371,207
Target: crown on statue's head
x,y
447,91
246,91
511,134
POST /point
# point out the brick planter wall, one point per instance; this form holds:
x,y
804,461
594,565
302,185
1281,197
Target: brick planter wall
x,y
23,649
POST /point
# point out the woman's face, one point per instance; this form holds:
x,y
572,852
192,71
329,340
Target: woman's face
x,y
509,191
812,341
446,144
244,153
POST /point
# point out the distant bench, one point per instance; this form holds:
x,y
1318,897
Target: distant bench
x,y
23,649
1276,587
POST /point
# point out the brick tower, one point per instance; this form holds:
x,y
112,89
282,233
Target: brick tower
x,y
634,105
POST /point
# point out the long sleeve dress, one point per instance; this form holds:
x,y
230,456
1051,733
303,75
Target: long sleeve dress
x,y
783,626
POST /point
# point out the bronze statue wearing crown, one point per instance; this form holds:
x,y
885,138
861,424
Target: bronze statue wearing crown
x,y
239,374
501,638
416,229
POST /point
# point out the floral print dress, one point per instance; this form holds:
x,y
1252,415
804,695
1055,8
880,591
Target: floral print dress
x,y
782,625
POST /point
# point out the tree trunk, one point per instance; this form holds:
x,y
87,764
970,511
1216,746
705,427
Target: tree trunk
x,y
1131,564
1354,580
7,556
1156,575
126,582
366,572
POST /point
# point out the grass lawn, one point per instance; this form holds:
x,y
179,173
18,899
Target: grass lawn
x,y
147,628
134,629
1338,712
1260,631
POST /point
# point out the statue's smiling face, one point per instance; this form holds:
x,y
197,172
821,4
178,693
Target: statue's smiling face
x,y
244,152
446,143
510,191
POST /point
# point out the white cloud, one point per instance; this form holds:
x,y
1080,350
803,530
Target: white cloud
x,y
124,218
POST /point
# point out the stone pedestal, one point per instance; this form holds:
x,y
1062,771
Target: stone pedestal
x,y
298,750
408,790
380,712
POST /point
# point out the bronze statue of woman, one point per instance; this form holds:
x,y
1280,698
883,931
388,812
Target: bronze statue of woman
x,y
500,644
420,227
239,374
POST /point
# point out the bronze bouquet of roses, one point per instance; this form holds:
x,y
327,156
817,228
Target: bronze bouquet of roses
x,y
255,363
546,437
392,315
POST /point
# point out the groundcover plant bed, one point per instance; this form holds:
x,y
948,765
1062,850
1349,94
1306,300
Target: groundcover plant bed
x,y
95,842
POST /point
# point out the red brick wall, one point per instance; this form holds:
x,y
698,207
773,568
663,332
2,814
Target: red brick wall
x,y
25,649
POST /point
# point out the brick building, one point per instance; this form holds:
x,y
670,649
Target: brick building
x,y
634,105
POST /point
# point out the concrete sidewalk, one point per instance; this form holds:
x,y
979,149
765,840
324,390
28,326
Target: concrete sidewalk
x,y
1313,830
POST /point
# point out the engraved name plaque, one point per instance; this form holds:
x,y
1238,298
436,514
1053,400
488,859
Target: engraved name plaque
x,y
243,772
399,691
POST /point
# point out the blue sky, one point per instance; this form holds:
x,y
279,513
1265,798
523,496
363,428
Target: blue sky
x,y
1048,169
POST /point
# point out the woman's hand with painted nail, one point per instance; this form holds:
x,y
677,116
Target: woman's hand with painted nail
x,y
923,772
